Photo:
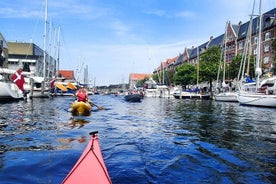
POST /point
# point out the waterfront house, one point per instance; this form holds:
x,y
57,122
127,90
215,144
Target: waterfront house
x,y
236,41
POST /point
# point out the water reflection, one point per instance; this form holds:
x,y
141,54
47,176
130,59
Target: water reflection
x,y
154,141
219,128
77,122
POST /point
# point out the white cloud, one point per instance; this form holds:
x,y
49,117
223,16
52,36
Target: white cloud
x,y
159,13
120,28
108,63
185,14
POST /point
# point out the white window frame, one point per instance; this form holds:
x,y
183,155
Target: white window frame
x,y
266,60
266,48
267,36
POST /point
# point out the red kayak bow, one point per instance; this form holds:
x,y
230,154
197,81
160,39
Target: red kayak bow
x,y
90,168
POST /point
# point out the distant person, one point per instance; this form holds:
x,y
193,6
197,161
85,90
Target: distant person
x,y
81,95
53,86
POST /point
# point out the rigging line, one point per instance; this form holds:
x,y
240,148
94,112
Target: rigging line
x,y
34,31
68,53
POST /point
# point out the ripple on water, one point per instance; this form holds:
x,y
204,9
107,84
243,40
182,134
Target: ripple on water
x,y
155,141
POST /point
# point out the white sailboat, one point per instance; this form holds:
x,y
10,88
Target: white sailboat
x,y
224,92
40,86
9,90
262,92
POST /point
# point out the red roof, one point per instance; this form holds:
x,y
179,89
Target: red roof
x,y
67,74
164,64
138,76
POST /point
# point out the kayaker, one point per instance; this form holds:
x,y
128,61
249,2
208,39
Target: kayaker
x,y
82,95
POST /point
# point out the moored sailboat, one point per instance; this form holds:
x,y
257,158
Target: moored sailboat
x,y
261,92
9,90
224,91
11,81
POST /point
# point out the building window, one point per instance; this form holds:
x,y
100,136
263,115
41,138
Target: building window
x,y
266,60
266,48
255,51
241,45
255,40
267,36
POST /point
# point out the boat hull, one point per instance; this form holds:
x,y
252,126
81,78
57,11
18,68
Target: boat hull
x,y
226,97
80,109
133,98
10,92
257,99
161,91
90,168
188,95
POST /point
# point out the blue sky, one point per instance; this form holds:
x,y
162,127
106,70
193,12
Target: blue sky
x,y
117,37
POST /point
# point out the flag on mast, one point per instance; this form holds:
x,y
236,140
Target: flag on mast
x,y
18,79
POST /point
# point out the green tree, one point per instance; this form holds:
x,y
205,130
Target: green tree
x,y
208,65
234,67
169,77
155,77
185,75
140,83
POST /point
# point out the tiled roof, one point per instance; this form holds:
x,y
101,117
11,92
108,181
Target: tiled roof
x,y
138,76
179,60
67,74
217,41
244,27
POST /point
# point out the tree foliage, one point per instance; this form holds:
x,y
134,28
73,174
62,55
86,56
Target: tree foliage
x,y
155,77
169,78
208,64
233,67
185,75
140,83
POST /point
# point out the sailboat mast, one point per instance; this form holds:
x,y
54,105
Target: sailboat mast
x,y
58,47
258,58
197,72
224,56
44,38
249,42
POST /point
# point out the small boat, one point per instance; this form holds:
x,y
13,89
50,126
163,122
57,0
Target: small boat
x,y
90,168
133,98
226,97
81,108
190,95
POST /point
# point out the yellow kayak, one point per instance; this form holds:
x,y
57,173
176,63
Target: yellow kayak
x,y
80,108
61,87
71,86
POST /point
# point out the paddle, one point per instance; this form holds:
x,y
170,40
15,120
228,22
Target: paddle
x,y
92,104
99,107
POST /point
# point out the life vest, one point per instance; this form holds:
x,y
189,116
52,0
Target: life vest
x,y
81,96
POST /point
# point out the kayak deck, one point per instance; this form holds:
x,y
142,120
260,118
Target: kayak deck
x,y
81,108
90,168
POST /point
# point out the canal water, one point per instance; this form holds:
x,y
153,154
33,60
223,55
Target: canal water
x,y
156,141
